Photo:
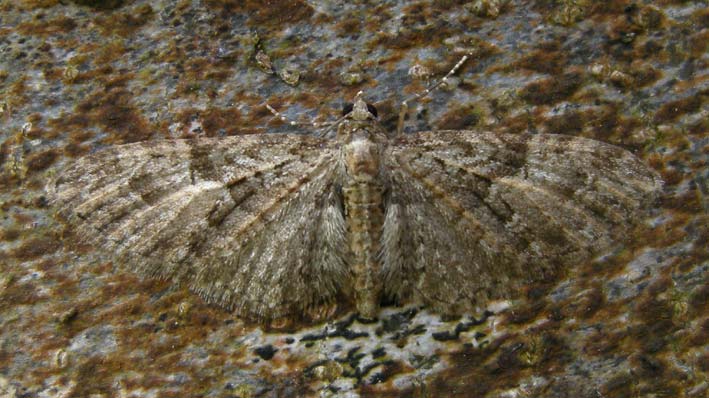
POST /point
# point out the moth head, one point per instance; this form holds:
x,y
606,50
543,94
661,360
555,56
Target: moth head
x,y
359,110
359,119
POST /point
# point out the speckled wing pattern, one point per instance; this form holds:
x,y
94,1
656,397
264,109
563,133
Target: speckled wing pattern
x,y
252,223
257,224
474,216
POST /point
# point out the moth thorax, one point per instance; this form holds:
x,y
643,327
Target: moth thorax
x,y
362,159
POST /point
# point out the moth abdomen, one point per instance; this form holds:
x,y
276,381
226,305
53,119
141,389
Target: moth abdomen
x,y
365,221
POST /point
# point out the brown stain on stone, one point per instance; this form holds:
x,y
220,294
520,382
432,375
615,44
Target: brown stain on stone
x,y
41,27
700,17
108,107
10,234
699,44
411,38
380,15
672,110
179,330
219,121
5,148
650,48
644,74
548,59
125,23
349,27
501,365
214,121
30,4
515,125
621,37
619,385
699,127
19,294
700,335
74,150
600,343
699,300
105,55
551,90
100,4
603,121
17,93
656,325
421,24
97,375
275,13
199,71
39,161
589,303
35,247
111,108
460,118
570,123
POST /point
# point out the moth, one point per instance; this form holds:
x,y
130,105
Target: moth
x,y
277,226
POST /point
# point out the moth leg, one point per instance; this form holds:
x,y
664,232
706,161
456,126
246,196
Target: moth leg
x,y
322,312
316,314
404,107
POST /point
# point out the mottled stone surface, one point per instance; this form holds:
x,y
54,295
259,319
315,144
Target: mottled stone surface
x,y
76,77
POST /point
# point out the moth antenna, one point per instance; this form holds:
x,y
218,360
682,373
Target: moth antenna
x,y
404,107
295,123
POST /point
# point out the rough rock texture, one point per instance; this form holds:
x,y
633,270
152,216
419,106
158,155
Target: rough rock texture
x,y
76,77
